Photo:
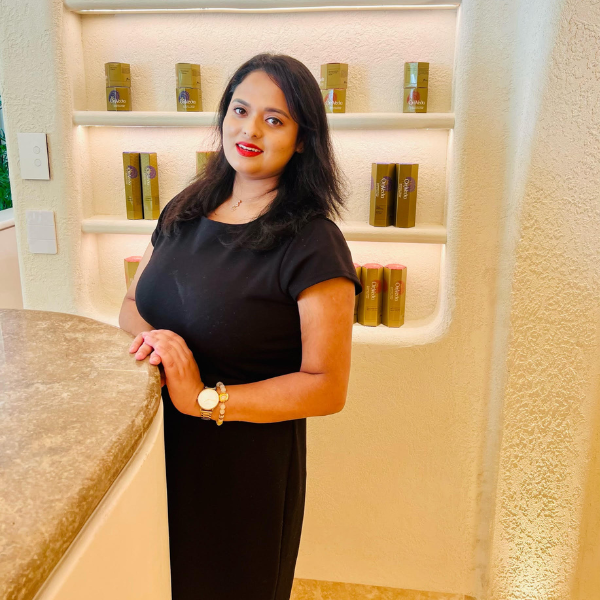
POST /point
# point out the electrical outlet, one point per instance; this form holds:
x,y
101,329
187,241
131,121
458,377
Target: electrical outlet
x,y
33,155
41,232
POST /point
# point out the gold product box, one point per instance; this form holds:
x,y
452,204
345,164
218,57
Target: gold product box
x,y
335,100
415,100
358,269
394,295
416,74
149,173
370,299
133,185
407,176
131,265
416,84
188,75
117,74
334,75
383,196
189,100
118,98
201,160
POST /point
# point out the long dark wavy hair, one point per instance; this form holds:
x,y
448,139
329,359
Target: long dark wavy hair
x,y
310,185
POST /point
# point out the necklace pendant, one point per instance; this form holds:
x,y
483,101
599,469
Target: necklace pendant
x,y
234,207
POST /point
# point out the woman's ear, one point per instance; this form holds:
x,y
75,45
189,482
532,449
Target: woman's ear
x,y
300,147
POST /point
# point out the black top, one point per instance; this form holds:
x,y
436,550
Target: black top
x,y
236,309
236,491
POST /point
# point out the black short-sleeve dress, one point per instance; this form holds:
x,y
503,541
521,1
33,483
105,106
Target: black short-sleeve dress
x,y
236,491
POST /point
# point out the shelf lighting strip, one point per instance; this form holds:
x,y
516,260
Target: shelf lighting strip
x,y
79,7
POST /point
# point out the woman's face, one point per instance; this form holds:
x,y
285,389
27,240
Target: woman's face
x,y
258,119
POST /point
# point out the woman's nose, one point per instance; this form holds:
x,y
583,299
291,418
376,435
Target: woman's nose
x,y
251,127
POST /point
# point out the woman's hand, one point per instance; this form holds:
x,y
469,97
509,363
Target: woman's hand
x,y
181,373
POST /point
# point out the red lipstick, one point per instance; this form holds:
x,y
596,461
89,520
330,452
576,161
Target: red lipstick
x,y
256,152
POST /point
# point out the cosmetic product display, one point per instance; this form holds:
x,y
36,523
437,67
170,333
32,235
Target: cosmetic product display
x,y
383,196
333,84
118,86
149,176
201,160
189,92
334,100
131,265
370,300
394,295
407,176
358,269
416,85
334,75
133,185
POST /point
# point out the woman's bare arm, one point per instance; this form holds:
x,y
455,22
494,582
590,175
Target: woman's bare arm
x,y
129,317
320,387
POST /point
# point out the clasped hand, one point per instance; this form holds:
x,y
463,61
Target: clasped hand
x,y
180,371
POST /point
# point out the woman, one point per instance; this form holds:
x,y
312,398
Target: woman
x,y
247,282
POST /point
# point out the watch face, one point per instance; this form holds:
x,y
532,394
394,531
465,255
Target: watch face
x,y
208,399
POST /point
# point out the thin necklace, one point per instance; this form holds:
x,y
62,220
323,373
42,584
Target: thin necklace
x,y
238,202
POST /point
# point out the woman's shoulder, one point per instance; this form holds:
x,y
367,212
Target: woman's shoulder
x,y
318,233
319,223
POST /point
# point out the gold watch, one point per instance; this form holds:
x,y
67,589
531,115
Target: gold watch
x,y
208,398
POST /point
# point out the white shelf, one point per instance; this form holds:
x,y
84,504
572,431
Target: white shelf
x,y
99,118
421,233
354,231
112,224
251,6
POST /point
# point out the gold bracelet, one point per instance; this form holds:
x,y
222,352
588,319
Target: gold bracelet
x,y
223,397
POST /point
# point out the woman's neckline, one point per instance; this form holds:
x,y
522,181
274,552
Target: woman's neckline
x,y
232,224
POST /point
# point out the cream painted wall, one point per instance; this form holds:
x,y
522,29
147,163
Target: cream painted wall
x,y
460,464
545,540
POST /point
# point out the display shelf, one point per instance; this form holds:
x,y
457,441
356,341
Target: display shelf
x,y
99,118
354,231
250,6
421,233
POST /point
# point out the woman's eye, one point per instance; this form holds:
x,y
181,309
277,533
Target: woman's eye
x,y
237,108
275,119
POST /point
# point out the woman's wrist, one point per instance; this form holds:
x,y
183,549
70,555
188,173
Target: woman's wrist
x,y
196,407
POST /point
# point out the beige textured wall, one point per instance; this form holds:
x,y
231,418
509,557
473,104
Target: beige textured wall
x,y
461,464
551,390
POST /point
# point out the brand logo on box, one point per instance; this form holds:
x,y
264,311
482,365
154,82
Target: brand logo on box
x,y
410,184
414,98
132,172
115,98
386,184
150,172
184,98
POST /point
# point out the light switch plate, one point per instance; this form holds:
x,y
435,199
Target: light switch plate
x,y
41,232
33,155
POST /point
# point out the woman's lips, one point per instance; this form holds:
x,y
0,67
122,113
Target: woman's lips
x,y
248,153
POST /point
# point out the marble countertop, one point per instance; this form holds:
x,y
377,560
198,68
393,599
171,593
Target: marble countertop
x,y
74,406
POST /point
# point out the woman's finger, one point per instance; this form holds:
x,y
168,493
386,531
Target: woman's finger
x,y
154,358
144,350
137,341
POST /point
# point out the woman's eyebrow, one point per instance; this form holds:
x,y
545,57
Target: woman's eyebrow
x,y
267,109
